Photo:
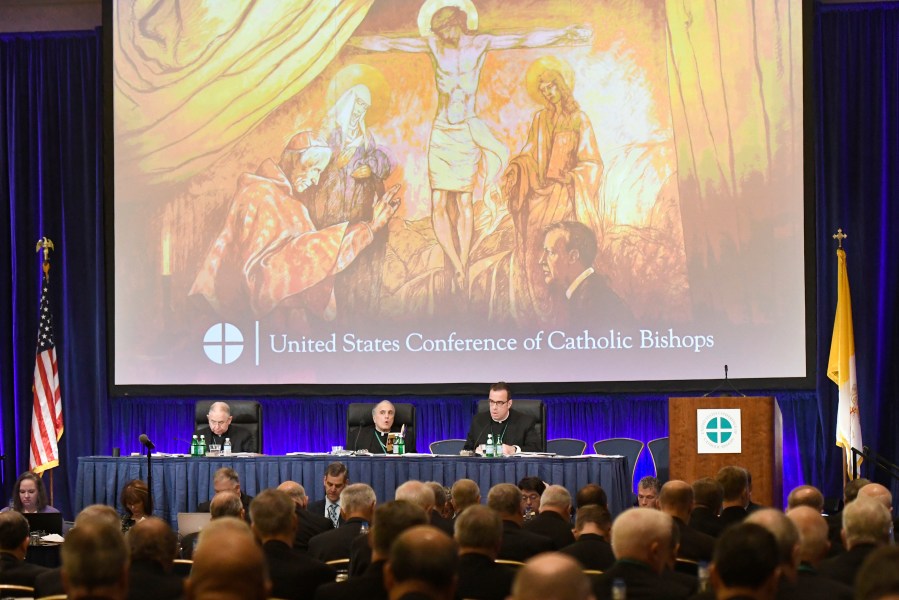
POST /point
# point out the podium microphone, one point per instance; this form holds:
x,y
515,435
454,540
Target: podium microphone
x,y
146,442
358,431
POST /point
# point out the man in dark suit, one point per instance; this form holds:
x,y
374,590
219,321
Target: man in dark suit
x,y
223,504
226,479
867,524
153,545
390,520
514,431
744,564
221,429
440,514
708,495
554,519
357,501
422,565
735,483
373,436
337,477
518,544
676,500
95,561
479,533
813,546
14,540
591,531
551,576
583,297
308,524
294,575
228,563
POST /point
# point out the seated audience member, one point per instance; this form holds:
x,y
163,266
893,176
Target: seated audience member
x,y
708,496
373,436
226,479
515,431
465,493
220,429
439,518
676,500
152,545
336,478
14,540
357,502
751,506
806,495
479,533
95,562
422,565
591,531
745,563
390,520
294,576
135,502
878,492
554,520
309,524
835,520
518,544
648,490
223,504
29,495
813,547
867,525
228,564
643,547
878,578
551,576
735,483
591,493
531,489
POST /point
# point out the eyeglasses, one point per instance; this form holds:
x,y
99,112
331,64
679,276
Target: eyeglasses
x,y
498,402
219,423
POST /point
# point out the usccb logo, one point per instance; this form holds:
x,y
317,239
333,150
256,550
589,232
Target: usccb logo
x,y
223,343
719,431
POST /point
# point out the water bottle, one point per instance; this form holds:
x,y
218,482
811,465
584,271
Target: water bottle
x,y
195,446
489,448
702,573
226,449
363,530
619,589
201,451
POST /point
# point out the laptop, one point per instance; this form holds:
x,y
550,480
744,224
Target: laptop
x,y
192,522
46,522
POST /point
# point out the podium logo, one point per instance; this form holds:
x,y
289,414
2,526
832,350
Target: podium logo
x,y
719,430
223,343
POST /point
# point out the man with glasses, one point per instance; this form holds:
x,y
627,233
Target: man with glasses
x,y
512,431
220,429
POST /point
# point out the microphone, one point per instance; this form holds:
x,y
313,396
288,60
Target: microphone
x,y
146,442
480,433
358,431
725,372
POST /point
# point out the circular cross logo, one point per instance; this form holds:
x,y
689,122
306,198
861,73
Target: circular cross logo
x,y
223,343
719,430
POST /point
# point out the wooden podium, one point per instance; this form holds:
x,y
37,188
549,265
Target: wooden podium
x,y
761,441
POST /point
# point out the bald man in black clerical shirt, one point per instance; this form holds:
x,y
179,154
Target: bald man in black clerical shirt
x,y
220,429
515,431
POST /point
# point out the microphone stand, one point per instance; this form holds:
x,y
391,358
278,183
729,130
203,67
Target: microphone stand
x,y
149,482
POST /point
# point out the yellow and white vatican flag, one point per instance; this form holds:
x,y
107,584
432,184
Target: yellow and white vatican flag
x,y
841,367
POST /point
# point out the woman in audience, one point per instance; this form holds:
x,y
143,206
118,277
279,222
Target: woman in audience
x,y
136,502
29,495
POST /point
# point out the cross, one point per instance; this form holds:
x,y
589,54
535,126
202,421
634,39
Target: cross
x,y
840,236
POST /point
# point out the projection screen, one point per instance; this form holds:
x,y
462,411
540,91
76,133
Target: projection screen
x,y
606,191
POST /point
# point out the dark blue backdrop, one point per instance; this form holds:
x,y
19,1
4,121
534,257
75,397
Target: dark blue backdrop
x,y
51,172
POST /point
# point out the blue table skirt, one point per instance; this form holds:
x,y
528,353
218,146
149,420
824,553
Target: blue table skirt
x,y
181,483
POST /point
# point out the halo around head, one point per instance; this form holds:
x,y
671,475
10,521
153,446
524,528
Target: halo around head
x,y
360,74
538,67
431,6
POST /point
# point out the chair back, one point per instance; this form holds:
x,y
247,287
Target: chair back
x,y
658,450
566,446
360,413
453,446
626,447
182,567
686,566
10,590
245,413
532,408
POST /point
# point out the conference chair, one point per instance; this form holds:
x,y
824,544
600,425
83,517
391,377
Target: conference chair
x,y
244,413
629,448
658,451
360,413
566,446
686,566
533,408
452,446
9,590
181,567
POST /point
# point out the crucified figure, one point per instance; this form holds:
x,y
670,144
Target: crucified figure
x,y
459,138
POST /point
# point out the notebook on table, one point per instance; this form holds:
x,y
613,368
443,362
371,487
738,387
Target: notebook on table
x,y
192,522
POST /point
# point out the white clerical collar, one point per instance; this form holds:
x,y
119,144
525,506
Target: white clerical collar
x,y
580,278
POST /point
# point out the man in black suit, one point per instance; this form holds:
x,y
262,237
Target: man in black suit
x,y
554,519
228,563
676,500
583,297
735,483
14,540
422,565
336,478
226,479
390,520
373,436
479,533
308,524
867,525
518,544
357,502
441,513
223,504
514,431
294,575
591,531
813,547
153,545
465,494
551,576
221,429
744,564
95,561
708,495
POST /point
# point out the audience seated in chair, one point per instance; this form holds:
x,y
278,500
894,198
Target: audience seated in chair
x,y
226,479
309,524
554,520
591,548
153,545
479,533
14,540
224,504
357,502
95,561
553,576
745,563
676,500
518,544
423,563
228,564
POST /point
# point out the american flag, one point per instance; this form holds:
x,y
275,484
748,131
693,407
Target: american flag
x,y
46,415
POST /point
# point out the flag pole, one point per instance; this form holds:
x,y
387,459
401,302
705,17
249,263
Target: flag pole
x,y
46,244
